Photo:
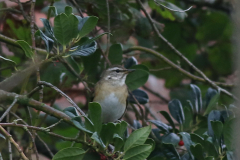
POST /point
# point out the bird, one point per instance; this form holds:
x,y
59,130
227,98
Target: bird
x,y
111,93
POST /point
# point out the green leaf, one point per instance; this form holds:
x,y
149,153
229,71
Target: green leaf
x,y
132,61
8,60
86,25
197,139
217,127
90,40
170,152
210,94
71,153
90,62
85,50
196,98
187,141
118,142
78,123
164,128
71,112
213,116
140,95
47,41
64,27
54,10
151,142
197,151
139,152
48,28
95,112
26,48
73,21
137,78
171,138
115,54
107,132
176,110
121,128
88,124
228,129
212,103
168,118
68,10
138,137
98,139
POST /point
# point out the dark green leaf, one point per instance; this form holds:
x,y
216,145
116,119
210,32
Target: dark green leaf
x,y
78,123
213,116
71,153
187,141
54,10
107,132
48,28
62,29
171,138
162,126
98,139
217,127
209,158
26,48
68,10
176,110
9,60
84,50
137,78
210,94
197,139
73,21
89,125
168,118
130,62
47,41
121,128
138,137
139,152
197,151
115,54
86,25
136,124
213,102
196,98
71,112
118,142
170,152
140,95
95,112
228,129
90,62
88,41
151,142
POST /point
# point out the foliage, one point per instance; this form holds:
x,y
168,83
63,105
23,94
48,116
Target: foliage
x,y
75,51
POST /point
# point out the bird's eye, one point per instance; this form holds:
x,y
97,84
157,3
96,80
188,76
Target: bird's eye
x,y
117,71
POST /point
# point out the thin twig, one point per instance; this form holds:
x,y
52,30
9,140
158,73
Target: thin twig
x,y
160,69
13,142
63,94
147,108
155,94
46,146
9,143
172,9
9,108
108,27
10,10
55,124
181,55
78,134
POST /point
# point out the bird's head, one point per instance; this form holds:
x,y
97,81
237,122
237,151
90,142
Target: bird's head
x,y
116,75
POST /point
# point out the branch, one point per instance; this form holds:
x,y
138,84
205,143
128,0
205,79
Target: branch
x,y
173,65
13,142
23,100
181,55
63,94
14,43
9,108
155,94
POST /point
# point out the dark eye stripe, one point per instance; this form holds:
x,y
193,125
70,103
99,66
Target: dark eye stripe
x,y
117,70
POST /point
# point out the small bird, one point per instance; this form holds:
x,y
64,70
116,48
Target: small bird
x,y
111,93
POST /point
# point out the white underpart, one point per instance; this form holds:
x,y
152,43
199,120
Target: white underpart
x,y
112,109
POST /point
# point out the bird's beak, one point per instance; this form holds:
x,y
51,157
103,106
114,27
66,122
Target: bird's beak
x,y
130,70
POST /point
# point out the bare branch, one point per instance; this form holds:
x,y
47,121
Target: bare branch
x,y
9,108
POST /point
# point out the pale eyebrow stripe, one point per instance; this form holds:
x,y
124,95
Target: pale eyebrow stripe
x,y
115,68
